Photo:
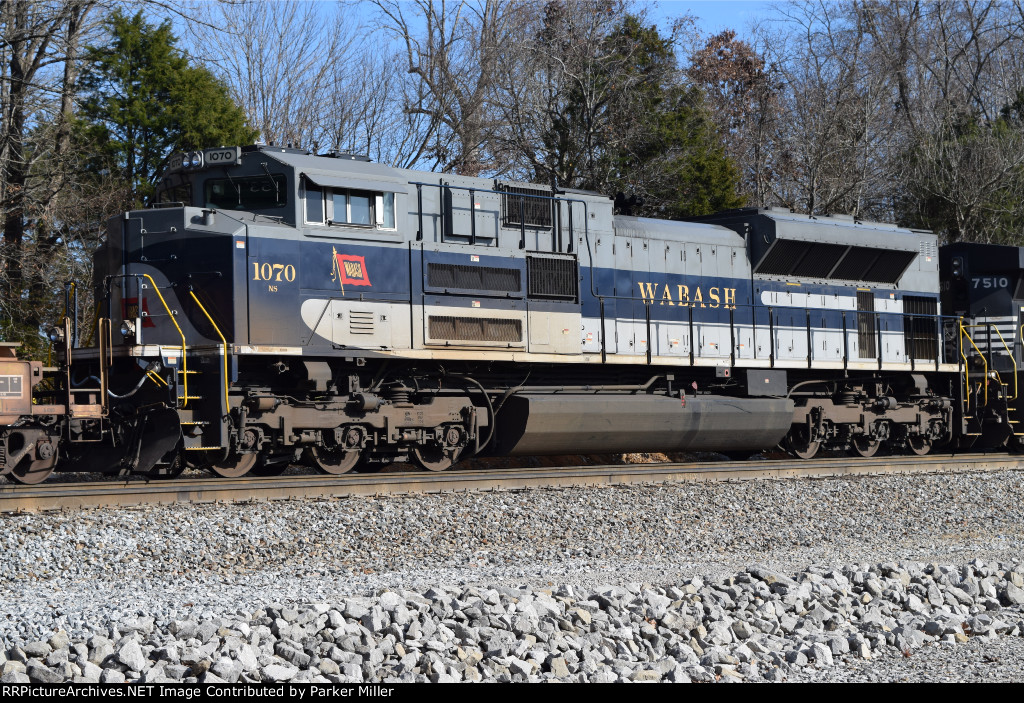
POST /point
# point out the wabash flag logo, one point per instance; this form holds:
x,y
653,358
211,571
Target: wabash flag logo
x,y
350,269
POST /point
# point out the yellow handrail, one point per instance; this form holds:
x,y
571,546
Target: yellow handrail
x,y
227,408
965,333
184,357
1009,354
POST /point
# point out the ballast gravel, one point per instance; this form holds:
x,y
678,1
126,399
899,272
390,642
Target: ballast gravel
x,y
865,579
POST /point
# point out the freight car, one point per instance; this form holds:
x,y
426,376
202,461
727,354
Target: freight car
x,y
273,305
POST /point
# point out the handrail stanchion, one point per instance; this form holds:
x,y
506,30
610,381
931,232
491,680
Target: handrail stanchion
x,y
732,337
809,350
419,211
472,217
604,349
846,345
647,315
572,235
913,340
522,221
689,311
878,338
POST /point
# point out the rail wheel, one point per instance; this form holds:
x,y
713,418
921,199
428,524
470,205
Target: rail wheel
x,y
436,458
919,445
864,446
799,444
234,465
32,472
334,460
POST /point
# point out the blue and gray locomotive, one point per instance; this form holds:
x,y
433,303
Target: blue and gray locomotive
x,y
274,305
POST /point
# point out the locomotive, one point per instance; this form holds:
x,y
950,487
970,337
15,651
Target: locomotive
x,y
273,306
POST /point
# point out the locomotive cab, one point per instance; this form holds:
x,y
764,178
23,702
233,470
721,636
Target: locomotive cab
x,y
984,284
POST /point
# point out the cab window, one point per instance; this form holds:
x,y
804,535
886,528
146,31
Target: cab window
x,y
349,207
249,193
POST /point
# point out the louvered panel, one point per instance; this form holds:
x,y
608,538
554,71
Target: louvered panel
x,y
779,259
474,278
919,326
551,278
360,322
819,260
889,266
475,329
857,263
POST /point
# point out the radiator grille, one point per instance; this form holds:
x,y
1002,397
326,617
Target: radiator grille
x,y
476,329
920,333
475,278
529,206
360,322
834,261
550,278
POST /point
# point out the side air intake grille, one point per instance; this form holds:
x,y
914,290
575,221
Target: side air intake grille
x,y
475,329
360,322
550,278
474,278
529,206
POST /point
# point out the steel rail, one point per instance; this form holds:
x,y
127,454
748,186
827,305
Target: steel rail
x,y
96,494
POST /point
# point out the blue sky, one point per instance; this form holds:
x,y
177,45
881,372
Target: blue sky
x,y
713,15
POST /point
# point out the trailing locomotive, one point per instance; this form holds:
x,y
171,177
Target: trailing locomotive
x,y
273,305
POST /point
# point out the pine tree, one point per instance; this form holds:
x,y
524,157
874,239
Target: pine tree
x,y
142,100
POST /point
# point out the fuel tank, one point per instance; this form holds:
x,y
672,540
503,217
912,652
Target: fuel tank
x,y
597,424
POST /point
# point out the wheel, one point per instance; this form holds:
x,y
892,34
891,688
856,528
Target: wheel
x,y
863,446
31,472
436,458
799,445
234,466
919,445
334,460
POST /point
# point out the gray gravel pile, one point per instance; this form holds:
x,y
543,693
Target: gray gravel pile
x,y
756,625
117,573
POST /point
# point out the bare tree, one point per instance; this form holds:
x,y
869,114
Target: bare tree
x,y
280,61
743,93
39,52
453,52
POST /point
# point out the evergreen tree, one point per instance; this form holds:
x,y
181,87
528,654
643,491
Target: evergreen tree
x,y
673,165
142,100
628,126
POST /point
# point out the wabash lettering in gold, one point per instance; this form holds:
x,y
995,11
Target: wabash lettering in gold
x,y
685,297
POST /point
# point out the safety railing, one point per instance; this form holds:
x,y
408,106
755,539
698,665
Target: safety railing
x,y
224,349
446,209
987,359
752,319
139,319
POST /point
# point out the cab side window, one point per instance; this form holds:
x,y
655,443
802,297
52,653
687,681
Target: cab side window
x,y
350,207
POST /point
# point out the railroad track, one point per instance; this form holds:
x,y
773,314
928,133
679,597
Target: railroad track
x,y
93,494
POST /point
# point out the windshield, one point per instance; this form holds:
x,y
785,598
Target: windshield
x,y
249,193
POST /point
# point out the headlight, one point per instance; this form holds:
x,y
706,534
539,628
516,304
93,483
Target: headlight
x,y
195,160
55,334
127,328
